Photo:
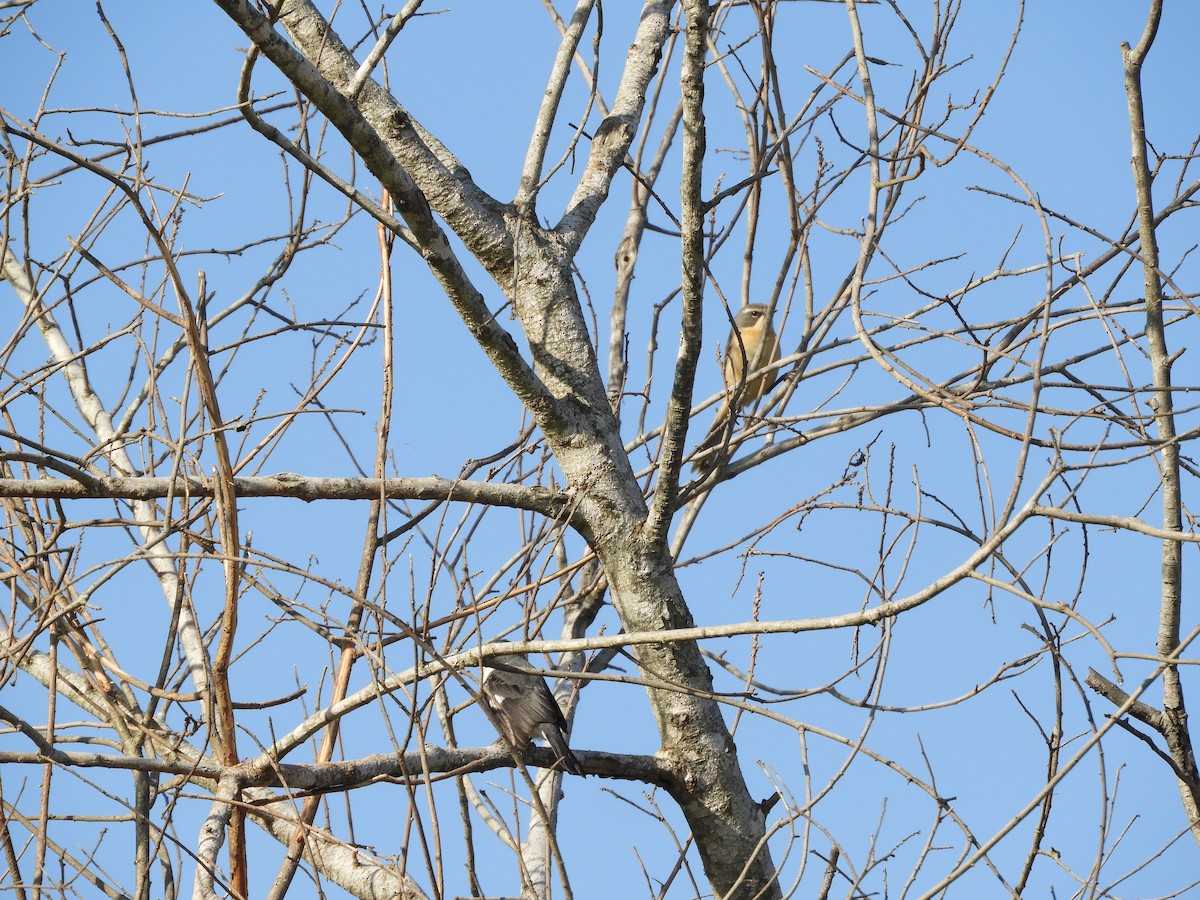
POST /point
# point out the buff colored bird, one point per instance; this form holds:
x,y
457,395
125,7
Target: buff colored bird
x,y
752,338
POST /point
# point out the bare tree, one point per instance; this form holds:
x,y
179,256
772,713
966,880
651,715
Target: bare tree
x,y
890,633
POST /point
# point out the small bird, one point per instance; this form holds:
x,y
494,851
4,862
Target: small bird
x,y
523,707
753,339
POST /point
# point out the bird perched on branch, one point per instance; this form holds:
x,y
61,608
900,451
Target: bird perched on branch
x,y
523,707
752,338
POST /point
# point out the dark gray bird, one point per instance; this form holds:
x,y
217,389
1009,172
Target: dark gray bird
x,y
523,707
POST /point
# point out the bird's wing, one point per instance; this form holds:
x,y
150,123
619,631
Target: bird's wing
x,y
522,703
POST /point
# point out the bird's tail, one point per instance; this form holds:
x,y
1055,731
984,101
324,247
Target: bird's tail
x,y
718,435
558,743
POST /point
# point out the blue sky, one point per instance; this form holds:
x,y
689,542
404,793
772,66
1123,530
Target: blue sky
x,y
473,75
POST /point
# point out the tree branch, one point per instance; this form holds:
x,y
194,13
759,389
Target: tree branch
x,y
1174,715
554,504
